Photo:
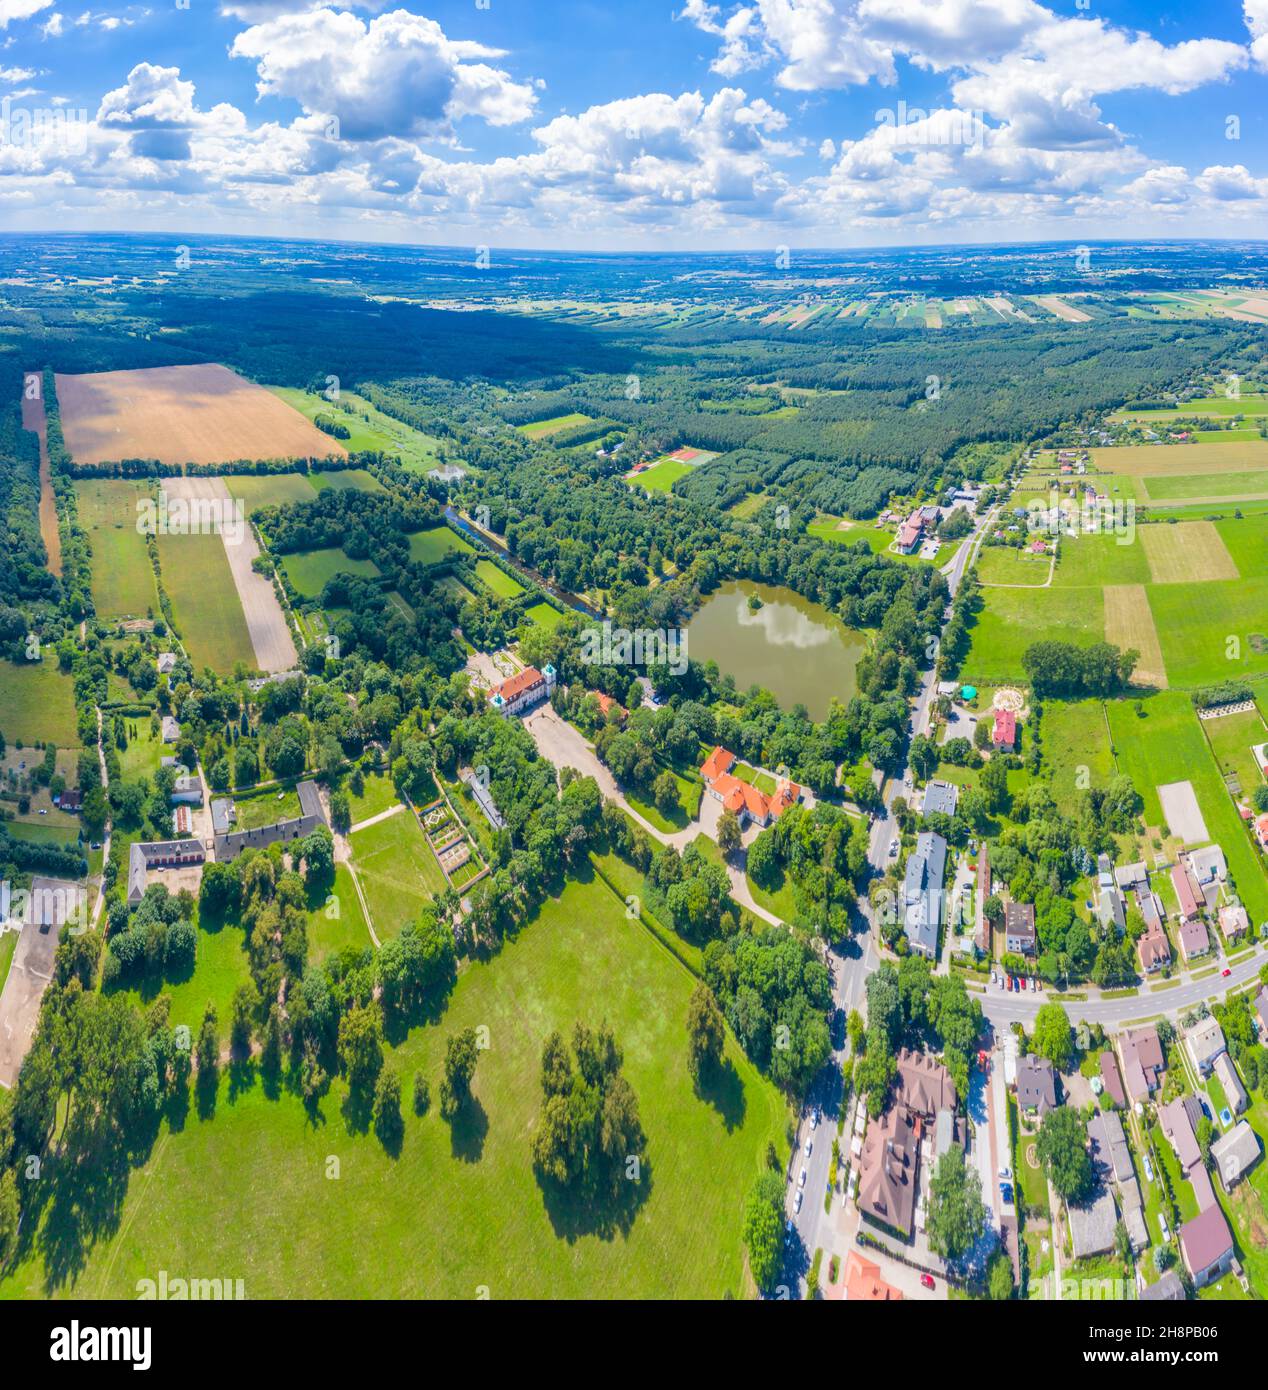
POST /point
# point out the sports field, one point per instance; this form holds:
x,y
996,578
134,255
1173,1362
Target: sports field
x,y
497,580
661,475
37,704
308,570
460,1207
431,546
397,870
538,429
179,415
199,582
122,576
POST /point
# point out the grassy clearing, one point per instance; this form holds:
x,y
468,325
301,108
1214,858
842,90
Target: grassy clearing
x,y
690,790
220,966
267,808
538,429
1075,738
398,871
1188,552
368,427
1013,619
336,920
378,793
1197,486
497,581
1210,631
1231,738
1246,540
122,576
8,944
998,564
1092,561
460,1207
256,490
544,615
431,546
309,570
1167,745
37,703
346,480
208,611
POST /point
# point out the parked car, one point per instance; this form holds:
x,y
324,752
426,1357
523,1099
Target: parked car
x,y
893,848
1034,985
1166,1230
1223,973
994,977
927,1280
810,1143
1149,1168
797,1202
1006,1171
801,1181
1006,1192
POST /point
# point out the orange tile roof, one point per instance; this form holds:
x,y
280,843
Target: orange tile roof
x,y
718,762
519,683
863,1281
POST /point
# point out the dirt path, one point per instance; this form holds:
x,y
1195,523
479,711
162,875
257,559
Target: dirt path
x,y
35,419
382,815
271,638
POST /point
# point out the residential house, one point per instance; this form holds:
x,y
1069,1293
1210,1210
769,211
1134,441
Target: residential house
x,y
1234,1091
1179,1119
1236,1153
1261,831
1112,1079
1154,951
1207,865
1092,1225
863,1282
922,893
1104,871
1194,941
1019,929
741,798
941,797
1206,1245
1186,896
1131,878
1109,1146
1036,1085
1111,910
171,730
1261,1013
1151,909
523,691
1004,731
1234,921
187,790
1143,1061
607,704
166,663
1205,1042
923,1084
1168,1289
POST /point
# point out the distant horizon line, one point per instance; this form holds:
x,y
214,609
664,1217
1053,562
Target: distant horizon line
x,y
583,253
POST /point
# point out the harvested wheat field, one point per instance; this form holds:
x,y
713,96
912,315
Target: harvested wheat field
x,y
1187,551
179,415
1156,461
1065,311
1129,622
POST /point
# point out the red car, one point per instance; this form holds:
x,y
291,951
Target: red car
x,y
1225,972
927,1280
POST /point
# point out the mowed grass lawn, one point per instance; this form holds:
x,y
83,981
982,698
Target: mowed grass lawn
x,y
346,480
208,611
37,703
1012,619
1076,741
336,920
460,1208
544,615
398,872
255,490
1002,564
431,546
1196,486
1232,737
1167,745
309,570
122,576
540,428
497,581
1206,629
661,476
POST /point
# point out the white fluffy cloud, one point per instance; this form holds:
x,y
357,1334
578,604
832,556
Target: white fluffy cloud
x,y
395,76
20,9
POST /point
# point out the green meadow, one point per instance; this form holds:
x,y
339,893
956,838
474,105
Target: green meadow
x,y
122,576
37,703
309,570
209,615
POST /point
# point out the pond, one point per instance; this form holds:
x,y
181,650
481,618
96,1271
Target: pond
x,y
798,650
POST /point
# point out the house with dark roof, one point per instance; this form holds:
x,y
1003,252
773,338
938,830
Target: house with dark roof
x,y
311,814
1112,1079
922,893
1261,1012
1036,1085
1019,928
1179,1119
887,1171
1235,1154
1109,1146
158,854
923,1084
1092,1225
1206,1246
1234,1091
1168,1289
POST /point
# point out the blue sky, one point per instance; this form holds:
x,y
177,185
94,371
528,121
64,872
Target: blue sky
x,y
644,125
